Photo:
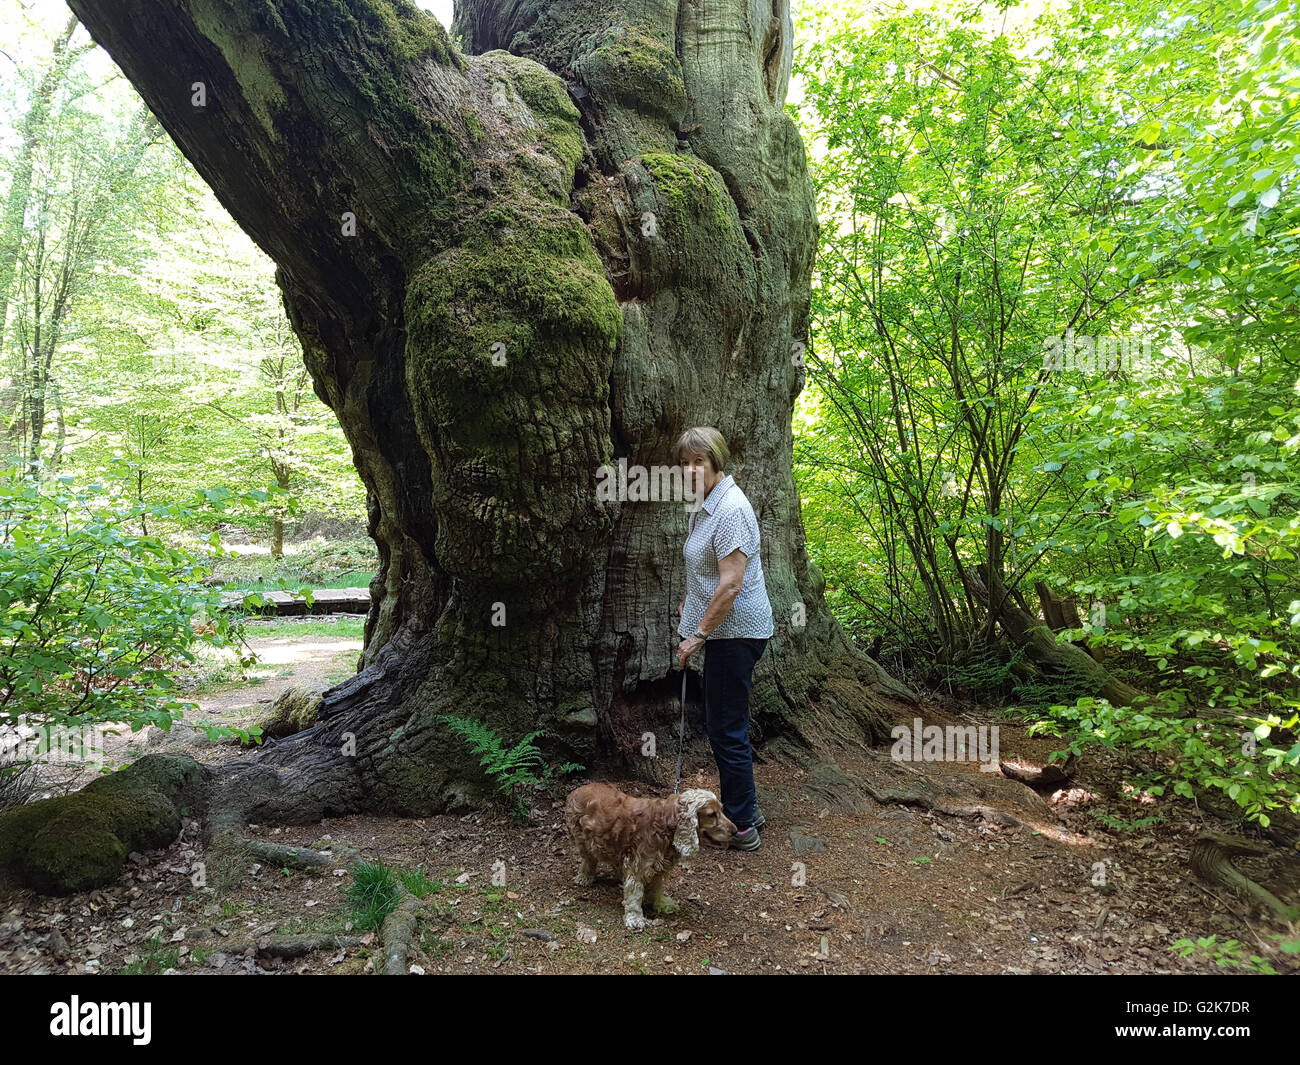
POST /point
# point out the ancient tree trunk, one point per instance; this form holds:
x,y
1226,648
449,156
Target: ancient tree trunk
x,y
510,267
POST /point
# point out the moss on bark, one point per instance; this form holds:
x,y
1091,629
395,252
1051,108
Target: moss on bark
x,y
633,66
294,709
689,184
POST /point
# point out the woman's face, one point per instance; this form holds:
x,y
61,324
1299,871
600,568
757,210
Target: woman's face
x,y
699,474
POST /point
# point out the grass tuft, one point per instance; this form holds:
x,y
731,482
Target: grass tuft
x,y
373,894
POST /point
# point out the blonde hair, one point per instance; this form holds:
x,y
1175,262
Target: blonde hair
x,y
704,440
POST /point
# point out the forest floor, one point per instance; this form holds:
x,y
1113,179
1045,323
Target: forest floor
x,y
877,889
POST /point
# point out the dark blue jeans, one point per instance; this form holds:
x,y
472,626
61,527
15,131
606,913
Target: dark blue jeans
x,y
728,678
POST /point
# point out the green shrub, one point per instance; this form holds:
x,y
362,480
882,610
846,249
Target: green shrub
x,y
95,616
156,959
1216,752
1229,954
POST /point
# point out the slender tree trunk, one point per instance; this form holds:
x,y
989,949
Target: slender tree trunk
x,y
77,239
139,493
34,126
509,269
277,526
35,406
60,425
36,420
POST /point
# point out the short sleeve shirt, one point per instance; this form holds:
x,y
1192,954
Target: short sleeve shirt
x,y
724,522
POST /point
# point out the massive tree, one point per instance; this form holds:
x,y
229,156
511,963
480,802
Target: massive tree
x,y
513,263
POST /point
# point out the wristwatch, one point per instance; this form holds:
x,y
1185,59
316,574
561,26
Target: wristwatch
x,y
701,633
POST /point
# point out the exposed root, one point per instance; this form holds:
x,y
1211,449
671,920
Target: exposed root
x,y
1210,860
400,934
228,853
292,946
1034,774
298,857
887,796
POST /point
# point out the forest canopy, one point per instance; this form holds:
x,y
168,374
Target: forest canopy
x,y
1055,351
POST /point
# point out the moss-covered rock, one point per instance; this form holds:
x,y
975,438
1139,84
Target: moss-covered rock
x,y
75,851
294,709
80,841
177,778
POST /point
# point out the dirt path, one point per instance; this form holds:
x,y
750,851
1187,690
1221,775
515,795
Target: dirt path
x,y
839,886
314,661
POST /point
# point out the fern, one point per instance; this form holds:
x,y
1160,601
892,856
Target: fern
x,y
510,770
983,672
1054,685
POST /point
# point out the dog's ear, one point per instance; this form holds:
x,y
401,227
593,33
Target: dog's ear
x,y
687,837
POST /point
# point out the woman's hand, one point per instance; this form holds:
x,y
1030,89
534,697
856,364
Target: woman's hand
x,y
687,648
680,607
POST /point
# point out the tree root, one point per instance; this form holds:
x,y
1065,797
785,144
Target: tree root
x,y
298,857
292,946
902,797
229,850
400,933
1034,774
1283,827
1210,860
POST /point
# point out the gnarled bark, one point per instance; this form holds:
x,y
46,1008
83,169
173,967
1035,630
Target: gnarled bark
x,y
591,229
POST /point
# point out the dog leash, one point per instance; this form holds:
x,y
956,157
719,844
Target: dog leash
x,y
681,736
681,732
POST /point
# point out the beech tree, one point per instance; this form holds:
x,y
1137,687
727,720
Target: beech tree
x,y
513,263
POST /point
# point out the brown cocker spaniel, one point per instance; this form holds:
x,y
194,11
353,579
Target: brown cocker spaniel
x,y
641,839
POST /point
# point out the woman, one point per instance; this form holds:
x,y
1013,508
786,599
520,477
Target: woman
x,y
726,611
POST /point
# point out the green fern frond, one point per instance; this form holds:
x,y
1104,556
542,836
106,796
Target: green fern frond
x,y
508,769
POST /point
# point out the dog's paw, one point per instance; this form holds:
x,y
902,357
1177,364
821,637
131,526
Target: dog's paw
x,y
666,906
583,881
633,921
